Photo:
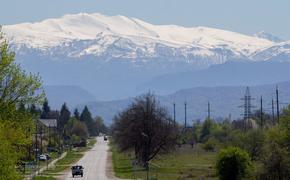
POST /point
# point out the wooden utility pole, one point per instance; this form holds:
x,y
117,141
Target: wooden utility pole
x,y
185,116
36,146
41,150
208,111
273,111
261,112
277,104
174,113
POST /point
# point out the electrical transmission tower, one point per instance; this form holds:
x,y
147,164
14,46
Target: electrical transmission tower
x,y
247,106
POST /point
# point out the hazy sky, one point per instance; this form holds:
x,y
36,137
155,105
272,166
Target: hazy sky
x,y
245,16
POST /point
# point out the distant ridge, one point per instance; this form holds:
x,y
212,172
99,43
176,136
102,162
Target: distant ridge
x,y
224,100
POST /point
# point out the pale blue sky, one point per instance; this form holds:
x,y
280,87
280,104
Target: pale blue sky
x,y
245,16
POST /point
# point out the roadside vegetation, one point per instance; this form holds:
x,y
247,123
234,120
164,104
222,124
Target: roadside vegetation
x,y
239,149
29,139
17,89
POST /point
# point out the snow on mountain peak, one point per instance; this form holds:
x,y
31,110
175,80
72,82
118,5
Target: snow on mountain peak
x,y
134,36
268,36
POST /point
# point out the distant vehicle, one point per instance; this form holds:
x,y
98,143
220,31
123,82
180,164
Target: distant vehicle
x,y
52,149
42,157
105,138
48,157
82,143
77,170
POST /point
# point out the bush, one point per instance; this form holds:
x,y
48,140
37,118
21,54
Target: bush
x,y
233,164
211,144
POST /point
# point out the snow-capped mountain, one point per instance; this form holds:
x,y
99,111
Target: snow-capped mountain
x,y
111,56
268,36
107,37
277,52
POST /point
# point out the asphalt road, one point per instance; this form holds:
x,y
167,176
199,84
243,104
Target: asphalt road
x,y
94,163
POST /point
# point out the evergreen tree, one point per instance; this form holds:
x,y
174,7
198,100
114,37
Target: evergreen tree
x,y
86,117
63,117
206,130
45,110
77,114
33,110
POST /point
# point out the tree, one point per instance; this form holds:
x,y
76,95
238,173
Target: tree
x,y
146,127
63,117
253,143
77,114
233,164
45,110
207,129
99,126
275,157
86,117
8,157
17,89
76,130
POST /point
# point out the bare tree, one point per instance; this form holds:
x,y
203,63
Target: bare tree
x,y
146,128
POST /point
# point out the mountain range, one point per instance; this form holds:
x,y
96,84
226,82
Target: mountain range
x,y
118,57
81,35
225,101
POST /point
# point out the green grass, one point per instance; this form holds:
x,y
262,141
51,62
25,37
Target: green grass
x,y
121,163
63,164
184,163
91,142
44,178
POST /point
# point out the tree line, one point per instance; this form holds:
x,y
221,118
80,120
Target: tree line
x,y
73,127
259,151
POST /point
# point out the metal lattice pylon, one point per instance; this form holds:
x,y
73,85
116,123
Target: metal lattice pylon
x,y
247,106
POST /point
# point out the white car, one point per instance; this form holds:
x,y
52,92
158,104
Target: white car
x,y
42,157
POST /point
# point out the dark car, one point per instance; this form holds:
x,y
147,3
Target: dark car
x,y
105,138
77,171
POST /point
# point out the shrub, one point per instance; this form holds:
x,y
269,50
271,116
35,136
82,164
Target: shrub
x,y
233,164
211,144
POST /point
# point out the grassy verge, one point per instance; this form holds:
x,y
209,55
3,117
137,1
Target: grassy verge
x,y
121,164
63,164
44,178
184,163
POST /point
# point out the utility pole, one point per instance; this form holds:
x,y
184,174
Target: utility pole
x,y
41,140
185,118
174,114
261,112
36,146
277,104
208,110
273,111
49,140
